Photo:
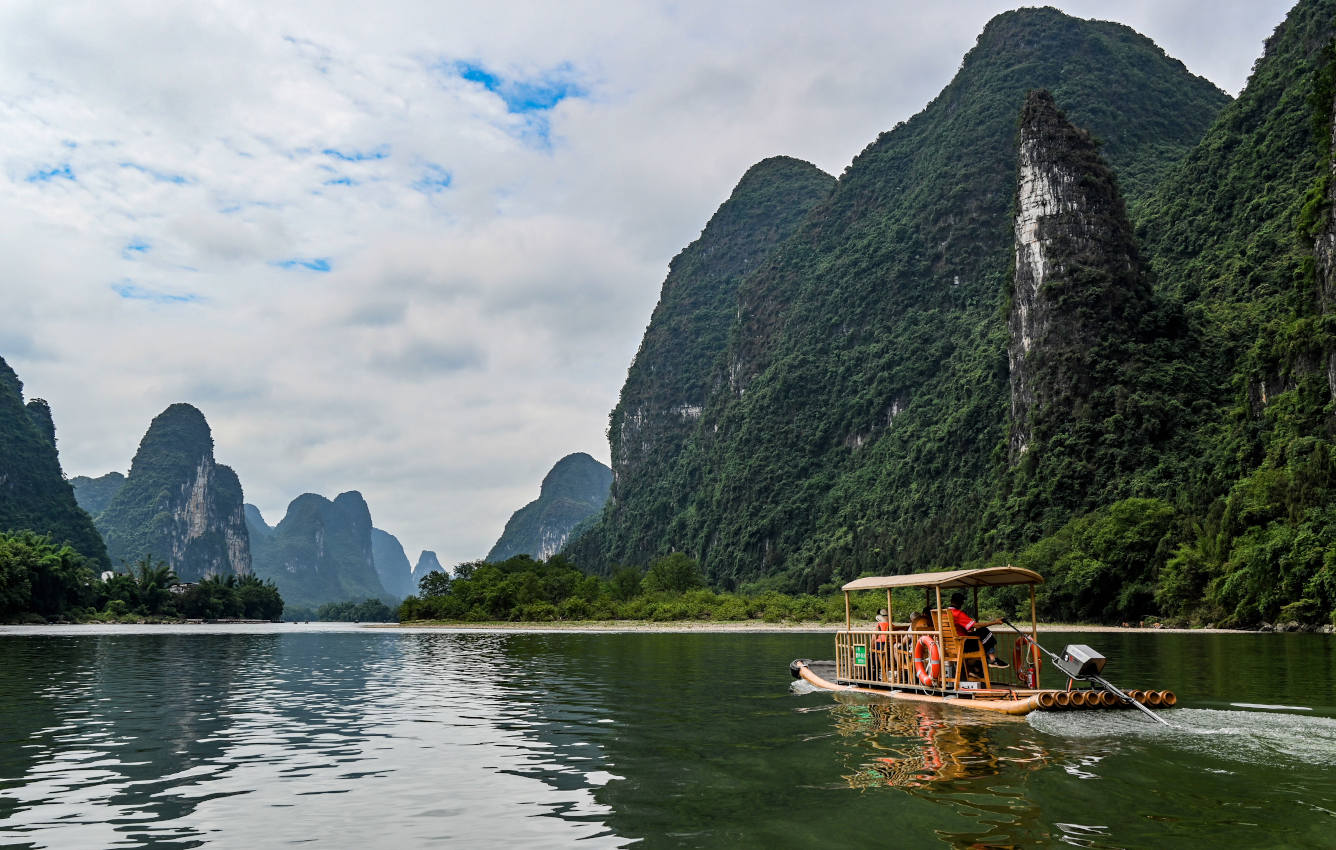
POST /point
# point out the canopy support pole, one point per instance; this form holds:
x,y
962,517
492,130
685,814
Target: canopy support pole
x,y
1034,634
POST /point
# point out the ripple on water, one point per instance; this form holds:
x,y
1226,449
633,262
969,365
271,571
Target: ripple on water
x,y
1244,736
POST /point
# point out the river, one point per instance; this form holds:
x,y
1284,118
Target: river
x,y
336,736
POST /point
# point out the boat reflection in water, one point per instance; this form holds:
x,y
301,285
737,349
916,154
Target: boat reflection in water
x,y
930,748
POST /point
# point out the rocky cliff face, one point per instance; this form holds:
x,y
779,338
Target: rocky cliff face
x,y
1324,249
321,552
178,504
572,492
34,495
1078,289
396,574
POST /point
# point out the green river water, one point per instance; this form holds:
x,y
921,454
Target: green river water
x,y
250,737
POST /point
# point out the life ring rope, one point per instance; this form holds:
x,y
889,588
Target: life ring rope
x,y
1026,659
927,661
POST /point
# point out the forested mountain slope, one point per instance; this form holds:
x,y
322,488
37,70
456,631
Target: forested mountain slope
x,y
1236,233
858,418
320,552
94,494
178,505
34,495
572,491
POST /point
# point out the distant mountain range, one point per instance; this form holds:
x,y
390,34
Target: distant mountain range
x,y
178,505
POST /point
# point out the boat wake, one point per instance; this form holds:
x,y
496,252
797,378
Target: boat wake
x,y
802,686
1254,737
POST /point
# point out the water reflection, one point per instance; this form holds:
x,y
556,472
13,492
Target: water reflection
x,y
922,746
349,738
186,740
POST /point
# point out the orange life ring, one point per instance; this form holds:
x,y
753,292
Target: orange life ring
x,y
927,661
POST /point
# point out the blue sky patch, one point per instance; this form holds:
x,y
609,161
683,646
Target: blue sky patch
x,y
378,152
313,264
158,176
132,291
44,175
434,179
341,181
135,248
521,96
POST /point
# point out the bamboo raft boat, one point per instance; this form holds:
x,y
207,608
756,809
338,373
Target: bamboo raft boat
x,y
926,659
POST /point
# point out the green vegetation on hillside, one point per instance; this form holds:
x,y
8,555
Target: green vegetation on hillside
x,y
320,552
34,495
863,405
94,494
178,502
857,421
574,490
671,377
1230,233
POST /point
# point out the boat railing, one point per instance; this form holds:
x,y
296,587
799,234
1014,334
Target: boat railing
x,y
875,657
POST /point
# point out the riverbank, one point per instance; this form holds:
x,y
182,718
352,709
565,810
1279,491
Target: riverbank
x,y
730,626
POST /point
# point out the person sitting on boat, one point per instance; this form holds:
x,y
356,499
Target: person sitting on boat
x,y
967,626
879,645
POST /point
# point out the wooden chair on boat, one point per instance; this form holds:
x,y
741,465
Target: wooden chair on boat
x,y
961,648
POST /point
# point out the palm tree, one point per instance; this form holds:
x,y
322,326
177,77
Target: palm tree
x,y
154,582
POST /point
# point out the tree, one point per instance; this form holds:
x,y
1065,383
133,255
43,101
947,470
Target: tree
x,y
154,581
37,576
675,573
366,611
258,600
625,583
434,584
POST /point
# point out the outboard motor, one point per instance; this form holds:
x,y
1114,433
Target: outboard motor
x,y
1079,661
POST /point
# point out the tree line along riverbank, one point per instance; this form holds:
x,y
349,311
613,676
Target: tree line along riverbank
x,y
41,581
673,590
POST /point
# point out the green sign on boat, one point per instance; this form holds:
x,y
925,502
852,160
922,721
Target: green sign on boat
x,y
860,656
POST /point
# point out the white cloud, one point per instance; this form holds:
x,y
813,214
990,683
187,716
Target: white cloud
x,y
374,273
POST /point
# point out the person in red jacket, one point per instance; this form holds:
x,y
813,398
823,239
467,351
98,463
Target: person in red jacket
x,y
967,626
879,645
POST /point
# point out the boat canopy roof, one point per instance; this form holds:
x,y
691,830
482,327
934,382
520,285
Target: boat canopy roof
x,y
986,577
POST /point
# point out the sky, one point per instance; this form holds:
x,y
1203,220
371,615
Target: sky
x,y
410,248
